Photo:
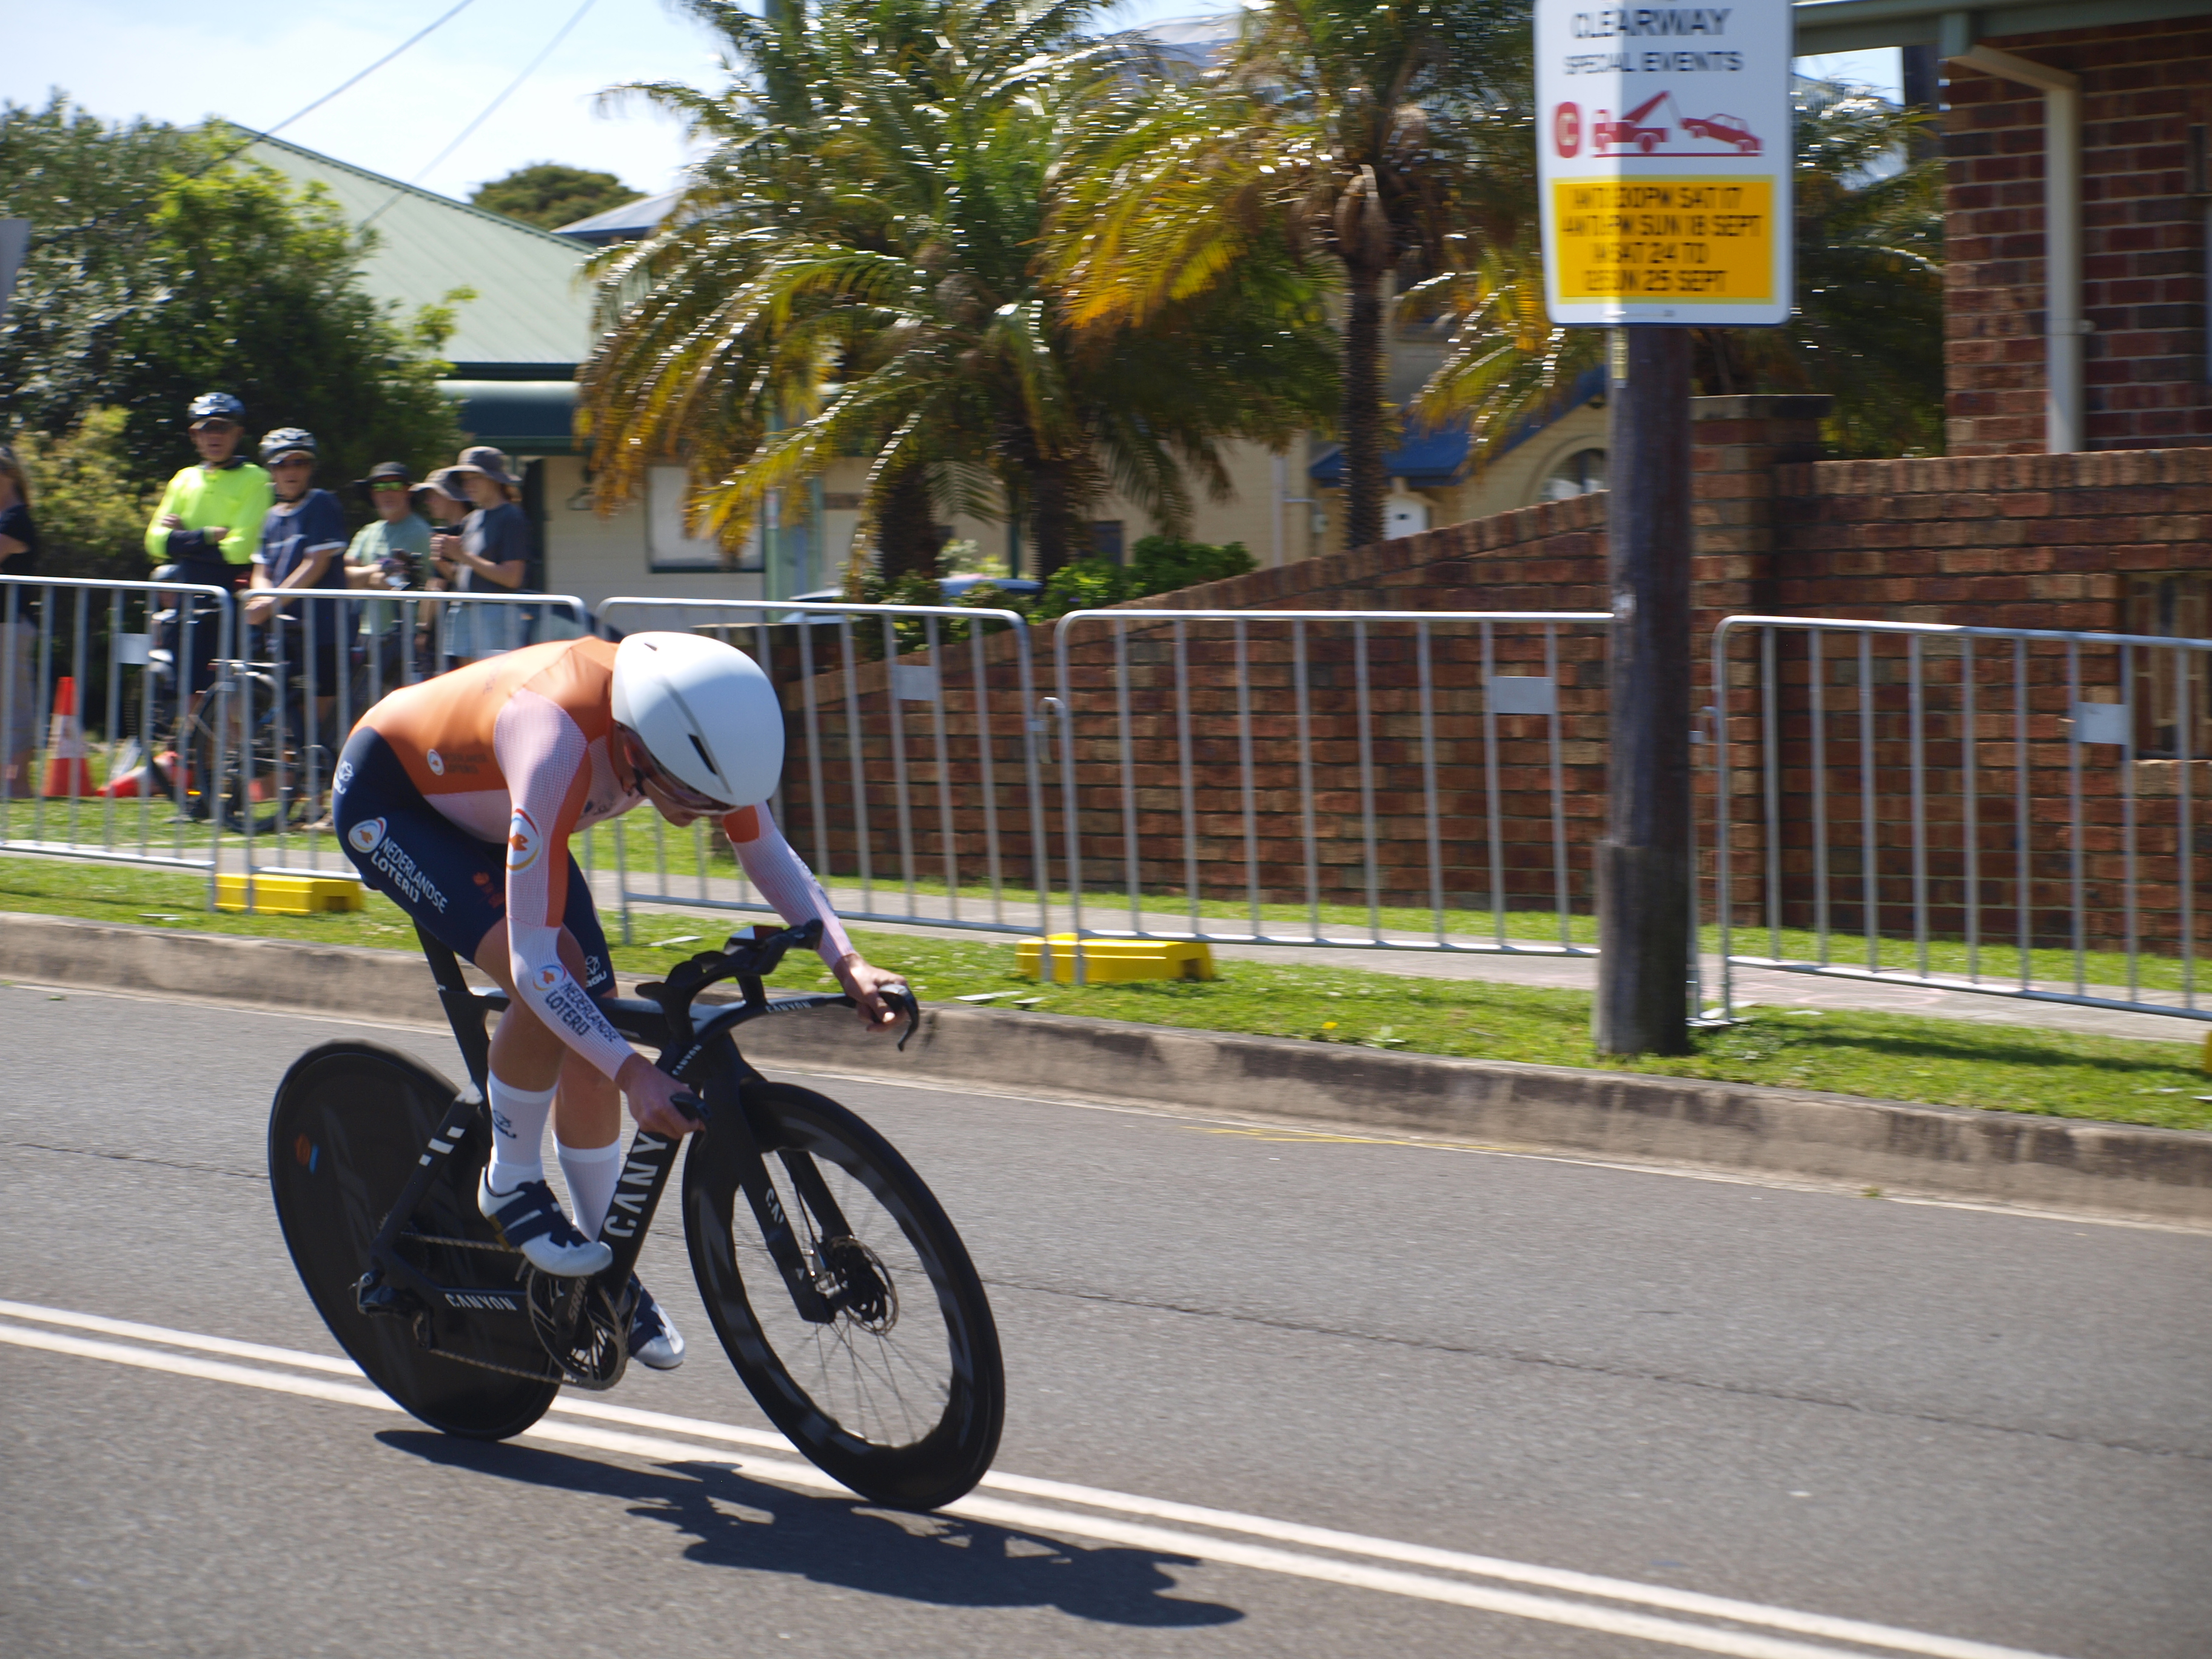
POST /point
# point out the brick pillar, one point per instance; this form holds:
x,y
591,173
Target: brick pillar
x,y
1738,443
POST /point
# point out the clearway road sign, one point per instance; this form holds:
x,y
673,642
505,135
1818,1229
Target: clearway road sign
x,y
1664,154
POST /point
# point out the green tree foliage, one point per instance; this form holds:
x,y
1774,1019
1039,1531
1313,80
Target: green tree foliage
x,y
1364,132
90,518
550,195
154,276
1158,564
861,268
1867,331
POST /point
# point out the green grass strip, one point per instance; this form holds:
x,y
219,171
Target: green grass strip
x,y
1886,1057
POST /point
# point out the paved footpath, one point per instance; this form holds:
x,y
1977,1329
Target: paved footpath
x,y
1546,1409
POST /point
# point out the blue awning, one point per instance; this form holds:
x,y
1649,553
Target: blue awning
x,y
1426,460
1437,457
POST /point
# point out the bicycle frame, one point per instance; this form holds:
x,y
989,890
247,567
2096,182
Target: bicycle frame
x,y
709,1060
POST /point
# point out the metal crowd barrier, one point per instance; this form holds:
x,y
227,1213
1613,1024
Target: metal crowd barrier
x,y
955,732
1361,761
136,657
1971,809
199,739
295,702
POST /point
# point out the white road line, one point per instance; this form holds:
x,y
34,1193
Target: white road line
x,y
783,1471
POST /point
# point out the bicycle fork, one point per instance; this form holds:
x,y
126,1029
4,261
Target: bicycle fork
x,y
733,1145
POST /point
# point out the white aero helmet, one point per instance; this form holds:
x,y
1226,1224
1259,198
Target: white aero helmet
x,y
705,712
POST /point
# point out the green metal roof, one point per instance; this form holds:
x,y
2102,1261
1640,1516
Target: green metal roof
x,y
531,305
1825,25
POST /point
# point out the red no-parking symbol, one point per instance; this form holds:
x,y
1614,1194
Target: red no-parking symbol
x,y
1567,129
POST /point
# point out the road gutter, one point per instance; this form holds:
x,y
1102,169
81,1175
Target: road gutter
x,y
2070,1164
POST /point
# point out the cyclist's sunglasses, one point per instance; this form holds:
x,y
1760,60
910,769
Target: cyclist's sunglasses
x,y
383,485
678,790
217,426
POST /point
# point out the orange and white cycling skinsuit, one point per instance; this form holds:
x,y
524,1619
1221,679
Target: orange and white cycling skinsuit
x,y
518,749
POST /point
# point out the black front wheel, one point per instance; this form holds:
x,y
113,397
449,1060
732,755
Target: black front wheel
x,y
350,1121
901,1393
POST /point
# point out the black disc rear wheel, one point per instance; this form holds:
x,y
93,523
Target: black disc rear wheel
x,y
350,1121
901,1393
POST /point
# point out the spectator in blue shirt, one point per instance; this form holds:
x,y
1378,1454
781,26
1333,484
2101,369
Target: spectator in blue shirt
x,y
301,540
489,555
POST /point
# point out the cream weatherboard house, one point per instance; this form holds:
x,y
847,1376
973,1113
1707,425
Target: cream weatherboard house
x,y
518,341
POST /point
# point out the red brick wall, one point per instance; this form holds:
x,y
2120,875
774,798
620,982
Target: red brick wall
x,y
2017,541
2143,266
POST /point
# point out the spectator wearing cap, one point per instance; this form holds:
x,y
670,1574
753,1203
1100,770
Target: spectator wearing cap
x,y
301,539
391,550
489,555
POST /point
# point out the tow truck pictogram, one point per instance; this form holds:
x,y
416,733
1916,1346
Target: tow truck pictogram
x,y
1626,132
1651,129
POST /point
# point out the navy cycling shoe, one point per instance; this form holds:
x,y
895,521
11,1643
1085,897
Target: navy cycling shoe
x,y
530,1220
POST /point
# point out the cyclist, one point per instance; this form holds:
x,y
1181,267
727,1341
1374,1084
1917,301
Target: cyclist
x,y
457,797
209,519
209,522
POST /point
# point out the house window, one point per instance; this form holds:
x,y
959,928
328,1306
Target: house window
x,y
2174,607
1579,474
667,546
1106,539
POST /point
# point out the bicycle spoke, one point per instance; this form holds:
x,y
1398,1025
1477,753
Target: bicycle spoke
x,y
889,1386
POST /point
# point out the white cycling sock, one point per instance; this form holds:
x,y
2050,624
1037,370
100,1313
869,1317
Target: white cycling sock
x,y
591,1173
518,1135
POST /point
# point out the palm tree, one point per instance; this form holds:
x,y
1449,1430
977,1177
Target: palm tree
x,y
1867,330
857,268
1363,131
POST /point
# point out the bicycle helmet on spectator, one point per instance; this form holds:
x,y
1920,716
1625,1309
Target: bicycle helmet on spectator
x,y
215,406
704,711
287,441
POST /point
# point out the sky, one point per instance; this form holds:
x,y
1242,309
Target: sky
x,y
256,66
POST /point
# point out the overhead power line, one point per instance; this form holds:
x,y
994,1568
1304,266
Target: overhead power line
x,y
486,113
354,81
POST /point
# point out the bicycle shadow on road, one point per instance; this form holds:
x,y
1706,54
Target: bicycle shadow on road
x,y
739,1523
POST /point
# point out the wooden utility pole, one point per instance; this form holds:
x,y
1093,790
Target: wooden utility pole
x,y
1660,213
1644,873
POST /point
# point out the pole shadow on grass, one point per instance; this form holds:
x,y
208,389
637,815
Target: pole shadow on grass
x,y
1982,1047
947,1560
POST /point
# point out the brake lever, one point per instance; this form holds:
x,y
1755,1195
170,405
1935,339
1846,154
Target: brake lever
x,y
904,1000
691,1107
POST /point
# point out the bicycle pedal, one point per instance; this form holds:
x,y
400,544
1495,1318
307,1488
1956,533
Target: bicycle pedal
x,y
377,1297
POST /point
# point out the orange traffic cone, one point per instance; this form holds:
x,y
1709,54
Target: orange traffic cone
x,y
68,772
154,778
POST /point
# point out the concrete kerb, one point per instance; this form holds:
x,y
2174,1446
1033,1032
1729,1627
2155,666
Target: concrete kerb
x,y
1997,1157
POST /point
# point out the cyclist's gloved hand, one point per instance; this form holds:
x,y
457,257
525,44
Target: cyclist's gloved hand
x,y
865,983
651,1094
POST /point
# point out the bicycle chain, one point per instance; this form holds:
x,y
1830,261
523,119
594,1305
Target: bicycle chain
x,y
559,1374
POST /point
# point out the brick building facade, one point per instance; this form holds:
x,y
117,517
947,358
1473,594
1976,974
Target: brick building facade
x,y
2146,91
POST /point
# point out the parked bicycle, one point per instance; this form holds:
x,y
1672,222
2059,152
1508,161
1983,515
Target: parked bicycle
x,y
239,727
839,1289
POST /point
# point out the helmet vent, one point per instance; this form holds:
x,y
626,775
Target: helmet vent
x,y
705,759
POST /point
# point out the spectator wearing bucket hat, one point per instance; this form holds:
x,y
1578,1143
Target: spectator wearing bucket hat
x,y
392,549
488,556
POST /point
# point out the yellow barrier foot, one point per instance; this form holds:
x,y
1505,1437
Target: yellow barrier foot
x,y
288,892
1107,960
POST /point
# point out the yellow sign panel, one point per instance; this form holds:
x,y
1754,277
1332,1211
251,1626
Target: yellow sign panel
x,y
1683,240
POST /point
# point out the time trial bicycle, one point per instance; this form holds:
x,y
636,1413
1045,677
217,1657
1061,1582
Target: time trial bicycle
x,y
837,1286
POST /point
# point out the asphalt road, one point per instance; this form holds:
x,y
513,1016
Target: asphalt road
x,y
1967,1427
